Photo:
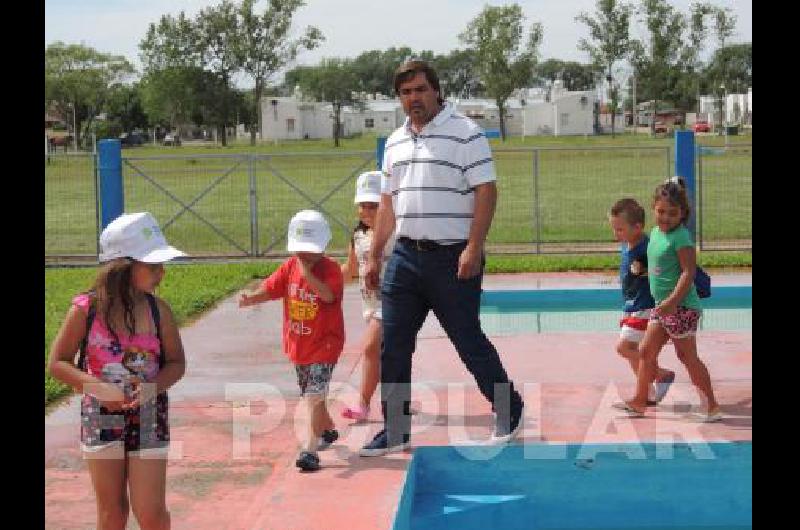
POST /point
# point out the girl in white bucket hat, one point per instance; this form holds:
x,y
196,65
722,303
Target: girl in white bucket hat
x,y
368,196
130,353
311,287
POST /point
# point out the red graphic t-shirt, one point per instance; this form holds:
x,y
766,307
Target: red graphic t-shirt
x,y
313,330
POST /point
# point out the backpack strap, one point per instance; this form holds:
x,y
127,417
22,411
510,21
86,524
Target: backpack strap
x,y
157,321
89,321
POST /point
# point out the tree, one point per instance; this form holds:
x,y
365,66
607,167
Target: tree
x,y
504,62
265,47
690,81
169,95
331,81
733,66
575,76
458,74
219,43
657,62
375,69
124,108
609,42
79,80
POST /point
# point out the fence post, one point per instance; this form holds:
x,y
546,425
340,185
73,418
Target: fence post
x,y
253,206
684,167
536,214
109,162
380,145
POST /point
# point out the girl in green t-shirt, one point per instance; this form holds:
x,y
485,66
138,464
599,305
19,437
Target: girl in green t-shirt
x,y
672,262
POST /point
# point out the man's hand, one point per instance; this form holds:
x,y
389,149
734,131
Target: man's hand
x,y
372,273
469,262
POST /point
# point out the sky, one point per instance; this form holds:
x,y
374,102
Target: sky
x,y
349,26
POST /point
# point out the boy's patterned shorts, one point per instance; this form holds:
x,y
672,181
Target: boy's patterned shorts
x,y
681,324
314,378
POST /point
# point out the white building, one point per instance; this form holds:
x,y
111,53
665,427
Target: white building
x,y
738,108
528,112
564,113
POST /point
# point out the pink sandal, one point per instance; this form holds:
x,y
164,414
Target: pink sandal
x,y
359,413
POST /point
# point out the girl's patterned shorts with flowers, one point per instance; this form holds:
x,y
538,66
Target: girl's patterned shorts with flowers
x,y
146,427
681,324
314,378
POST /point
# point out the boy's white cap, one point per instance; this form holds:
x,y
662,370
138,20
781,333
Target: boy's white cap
x,y
137,236
368,187
308,232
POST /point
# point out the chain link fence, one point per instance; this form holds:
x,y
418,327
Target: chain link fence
x,y
550,199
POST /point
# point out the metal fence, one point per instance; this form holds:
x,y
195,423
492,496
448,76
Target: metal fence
x,y
550,199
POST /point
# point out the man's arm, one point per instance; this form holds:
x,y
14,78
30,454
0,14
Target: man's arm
x,y
469,263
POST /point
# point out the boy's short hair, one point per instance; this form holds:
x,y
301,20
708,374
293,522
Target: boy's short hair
x,y
631,210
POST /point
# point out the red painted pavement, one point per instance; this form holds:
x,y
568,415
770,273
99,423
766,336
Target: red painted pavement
x,y
569,380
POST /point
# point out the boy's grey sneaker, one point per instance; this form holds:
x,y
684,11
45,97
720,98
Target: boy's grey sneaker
x,y
505,433
327,438
379,445
307,461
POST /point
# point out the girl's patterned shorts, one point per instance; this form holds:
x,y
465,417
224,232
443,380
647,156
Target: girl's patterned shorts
x,y
146,427
681,324
314,378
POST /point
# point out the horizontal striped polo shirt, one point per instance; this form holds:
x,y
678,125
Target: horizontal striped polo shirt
x,y
432,175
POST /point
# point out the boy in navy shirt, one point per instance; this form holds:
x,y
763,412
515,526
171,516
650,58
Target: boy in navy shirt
x,y
627,222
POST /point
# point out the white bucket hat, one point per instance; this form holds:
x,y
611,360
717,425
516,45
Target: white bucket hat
x,y
137,236
308,232
368,187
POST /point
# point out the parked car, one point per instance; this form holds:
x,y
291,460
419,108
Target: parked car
x,y
172,139
131,139
660,127
702,126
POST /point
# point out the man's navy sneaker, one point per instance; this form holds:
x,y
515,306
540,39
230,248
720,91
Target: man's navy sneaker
x,y
379,445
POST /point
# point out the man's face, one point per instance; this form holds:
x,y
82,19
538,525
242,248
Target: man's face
x,y
419,99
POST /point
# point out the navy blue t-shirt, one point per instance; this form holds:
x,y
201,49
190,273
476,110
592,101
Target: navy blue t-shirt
x,y
635,287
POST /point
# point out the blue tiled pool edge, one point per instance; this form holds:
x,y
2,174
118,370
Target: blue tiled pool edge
x,y
533,487
722,297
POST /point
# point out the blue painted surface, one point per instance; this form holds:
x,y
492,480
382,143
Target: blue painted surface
x,y
684,167
492,133
564,300
380,147
579,487
109,165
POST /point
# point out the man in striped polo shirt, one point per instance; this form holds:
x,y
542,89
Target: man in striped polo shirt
x,y
439,195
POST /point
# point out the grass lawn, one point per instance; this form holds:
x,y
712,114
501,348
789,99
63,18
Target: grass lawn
x,y
194,288
578,179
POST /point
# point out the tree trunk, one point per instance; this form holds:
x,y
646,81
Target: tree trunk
x,y
257,93
501,107
337,108
222,135
613,95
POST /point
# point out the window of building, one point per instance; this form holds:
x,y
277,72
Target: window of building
x,y
369,123
564,121
290,124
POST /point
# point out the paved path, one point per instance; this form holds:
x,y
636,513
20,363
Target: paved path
x,y
237,380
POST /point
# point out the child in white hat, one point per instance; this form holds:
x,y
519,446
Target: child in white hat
x,y
368,196
311,287
130,353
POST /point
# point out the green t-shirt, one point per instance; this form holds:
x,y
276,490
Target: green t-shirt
x,y
664,269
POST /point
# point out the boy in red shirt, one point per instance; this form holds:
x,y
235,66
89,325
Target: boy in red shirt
x,y
311,286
